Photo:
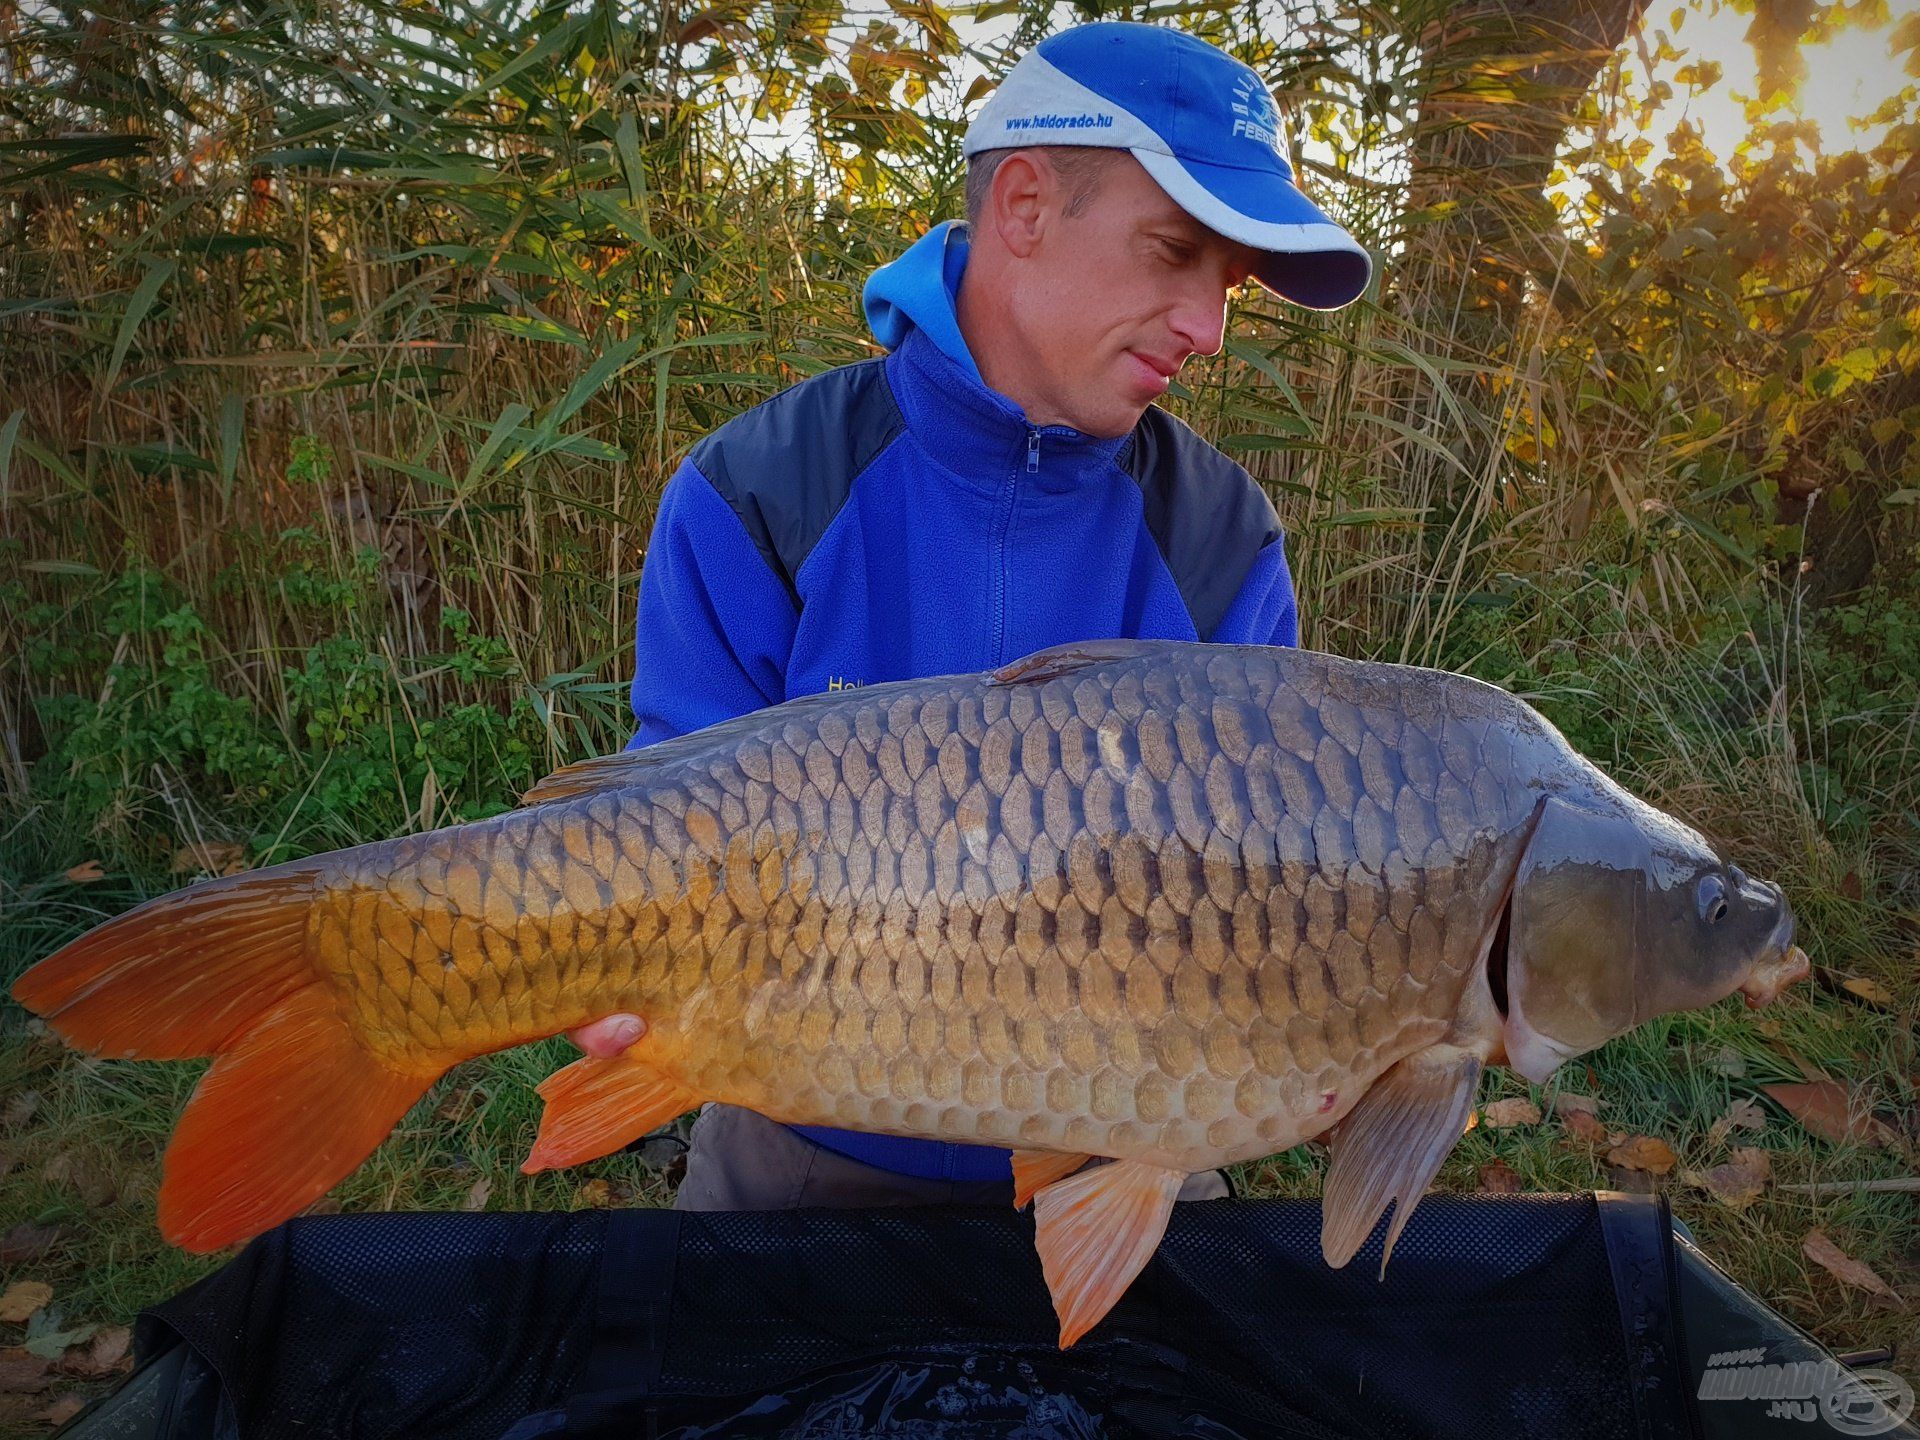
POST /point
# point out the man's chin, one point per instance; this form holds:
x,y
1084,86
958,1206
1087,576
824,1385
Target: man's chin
x,y
1114,419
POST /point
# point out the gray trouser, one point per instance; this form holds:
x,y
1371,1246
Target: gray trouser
x,y
740,1160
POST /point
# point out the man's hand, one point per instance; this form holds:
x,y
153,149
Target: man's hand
x,y
608,1039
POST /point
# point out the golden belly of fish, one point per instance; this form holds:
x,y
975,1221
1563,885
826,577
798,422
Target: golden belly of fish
x,y
1176,905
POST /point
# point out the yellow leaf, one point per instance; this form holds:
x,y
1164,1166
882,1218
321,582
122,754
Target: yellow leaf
x,y
1643,1152
1504,1113
1843,1267
22,1299
1871,991
1740,1181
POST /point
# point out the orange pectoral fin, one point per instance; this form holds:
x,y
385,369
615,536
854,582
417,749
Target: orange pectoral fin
x,y
596,1106
1034,1170
1095,1232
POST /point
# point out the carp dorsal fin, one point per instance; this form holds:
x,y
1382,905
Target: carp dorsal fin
x,y
1095,1231
1061,660
1389,1148
594,1106
1034,1170
630,767
612,772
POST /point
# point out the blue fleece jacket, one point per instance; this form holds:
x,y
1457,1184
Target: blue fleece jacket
x,y
898,518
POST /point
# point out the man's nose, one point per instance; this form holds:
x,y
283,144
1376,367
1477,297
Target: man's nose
x,y
1200,322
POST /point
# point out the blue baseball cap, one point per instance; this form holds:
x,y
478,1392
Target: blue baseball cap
x,y
1204,127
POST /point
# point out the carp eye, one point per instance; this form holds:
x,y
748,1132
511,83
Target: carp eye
x,y
1713,899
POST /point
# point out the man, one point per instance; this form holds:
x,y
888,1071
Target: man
x,y
1000,481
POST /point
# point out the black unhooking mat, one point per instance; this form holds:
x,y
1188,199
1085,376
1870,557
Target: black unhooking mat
x,y
1499,1317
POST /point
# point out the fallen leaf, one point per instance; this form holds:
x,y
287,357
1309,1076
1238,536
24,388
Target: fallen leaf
x,y
63,1409
21,1373
43,1338
1741,1115
1503,1113
1730,1062
86,872
1643,1152
28,1241
1567,1103
1582,1125
93,1185
596,1194
1499,1178
209,857
21,1107
457,1105
106,1353
1740,1181
477,1196
1850,885
1843,1267
1871,991
23,1297
1828,1109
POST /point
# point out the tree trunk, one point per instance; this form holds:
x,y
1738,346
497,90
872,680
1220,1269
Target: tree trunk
x,y
1504,79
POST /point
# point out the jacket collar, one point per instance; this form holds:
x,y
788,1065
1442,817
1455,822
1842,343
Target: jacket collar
x,y
982,436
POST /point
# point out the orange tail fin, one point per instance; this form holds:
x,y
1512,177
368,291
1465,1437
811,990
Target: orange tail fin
x,y
293,1102
184,974
277,1122
596,1106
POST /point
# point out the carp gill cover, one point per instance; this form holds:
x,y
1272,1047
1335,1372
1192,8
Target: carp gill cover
x,y
1175,905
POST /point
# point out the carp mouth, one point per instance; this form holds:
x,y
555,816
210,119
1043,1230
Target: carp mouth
x,y
1782,963
1766,982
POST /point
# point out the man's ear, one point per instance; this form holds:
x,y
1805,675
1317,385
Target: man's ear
x,y
1022,199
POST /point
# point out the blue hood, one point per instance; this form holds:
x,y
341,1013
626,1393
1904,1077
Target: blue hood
x,y
918,291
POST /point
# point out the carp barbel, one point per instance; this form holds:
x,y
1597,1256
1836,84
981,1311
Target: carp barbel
x,y
1176,905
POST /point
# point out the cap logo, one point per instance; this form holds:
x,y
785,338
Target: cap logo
x,y
1255,116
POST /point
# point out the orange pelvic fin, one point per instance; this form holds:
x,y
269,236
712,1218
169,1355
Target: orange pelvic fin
x,y
1095,1231
596,1106
1034,1170
184,974
1389,1148
281,1117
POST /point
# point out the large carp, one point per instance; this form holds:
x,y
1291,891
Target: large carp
x,y
1176,905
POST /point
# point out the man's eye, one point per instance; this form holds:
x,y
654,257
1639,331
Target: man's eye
x,y
1175,252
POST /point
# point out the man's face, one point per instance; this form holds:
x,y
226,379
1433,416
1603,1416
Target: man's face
x,y
1108,303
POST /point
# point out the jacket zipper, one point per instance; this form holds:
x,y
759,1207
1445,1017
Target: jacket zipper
x,y
1000,585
